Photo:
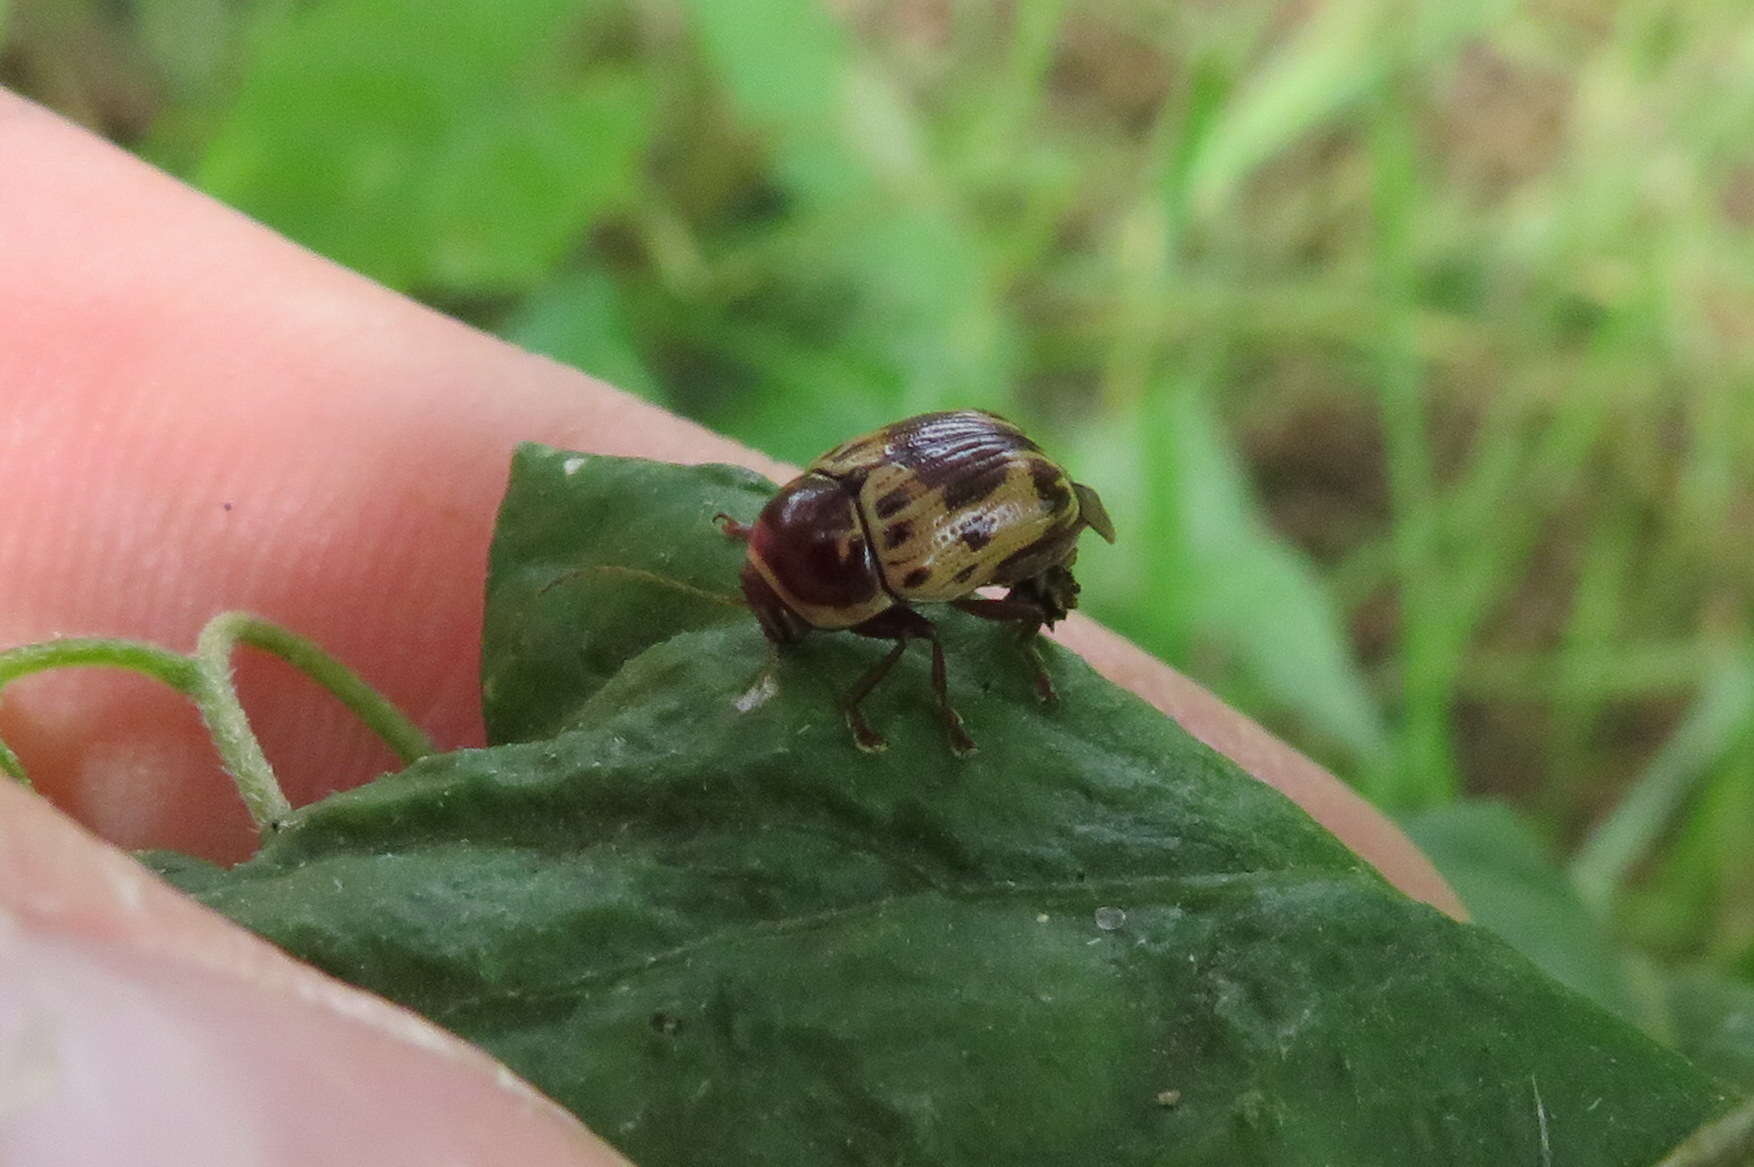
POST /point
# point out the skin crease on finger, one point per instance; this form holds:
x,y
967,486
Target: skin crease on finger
x,y
201,416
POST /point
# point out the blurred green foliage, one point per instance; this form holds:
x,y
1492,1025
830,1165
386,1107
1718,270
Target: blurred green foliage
x,y
1409,341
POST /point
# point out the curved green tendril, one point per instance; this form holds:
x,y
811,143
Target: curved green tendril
x,y
138,656
206,679
228,629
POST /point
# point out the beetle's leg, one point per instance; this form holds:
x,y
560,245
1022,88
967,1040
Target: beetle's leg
x,y
1029,617
864,736
903,624
960,742
1044,684
732,528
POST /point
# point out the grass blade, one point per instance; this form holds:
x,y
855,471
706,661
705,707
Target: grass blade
x,y
1723,711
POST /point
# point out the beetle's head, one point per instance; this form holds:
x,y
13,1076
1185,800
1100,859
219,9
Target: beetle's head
x,y
809,565
778,621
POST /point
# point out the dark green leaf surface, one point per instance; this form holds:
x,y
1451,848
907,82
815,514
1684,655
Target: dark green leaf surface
x,y
717,932
1498,865
1711,1016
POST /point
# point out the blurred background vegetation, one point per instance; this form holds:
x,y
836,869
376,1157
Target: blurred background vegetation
x,y
1411,343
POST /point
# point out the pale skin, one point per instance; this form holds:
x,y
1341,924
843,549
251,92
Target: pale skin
x,y
195,416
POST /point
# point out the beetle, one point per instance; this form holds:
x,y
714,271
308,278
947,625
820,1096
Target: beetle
x,y
923,511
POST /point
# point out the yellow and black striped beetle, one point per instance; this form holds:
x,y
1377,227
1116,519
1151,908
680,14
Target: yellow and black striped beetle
x,y
923,511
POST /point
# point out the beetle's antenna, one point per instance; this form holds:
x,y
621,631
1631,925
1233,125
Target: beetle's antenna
x,y
732,528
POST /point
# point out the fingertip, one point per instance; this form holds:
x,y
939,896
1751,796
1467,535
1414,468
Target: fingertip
x,y
139,1027
109,1055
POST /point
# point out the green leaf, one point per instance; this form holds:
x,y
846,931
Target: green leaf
x,y
1727,1141
873,223
1250,589
785,64
1710,1018
582,581
1503,872
513,188
580,319
1205,573
428,145
1340,54
698,917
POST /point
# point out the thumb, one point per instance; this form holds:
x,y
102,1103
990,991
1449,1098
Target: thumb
x,y
137,1027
